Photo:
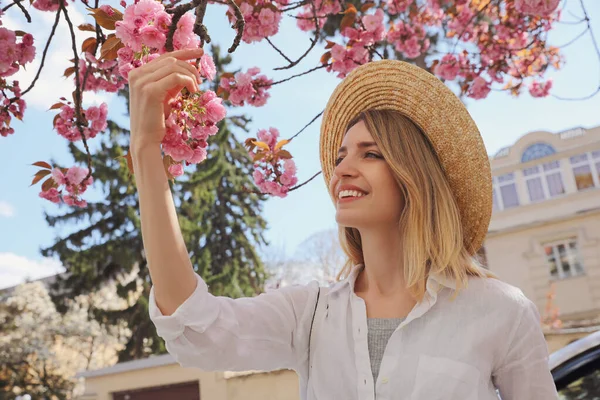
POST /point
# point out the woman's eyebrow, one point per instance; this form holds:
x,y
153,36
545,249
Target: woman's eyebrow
x,y
360,145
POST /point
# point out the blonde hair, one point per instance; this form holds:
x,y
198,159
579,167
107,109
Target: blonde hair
x,y
430,222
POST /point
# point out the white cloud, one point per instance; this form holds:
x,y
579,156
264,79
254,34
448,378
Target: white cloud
x,y
51,85
15,269
6,209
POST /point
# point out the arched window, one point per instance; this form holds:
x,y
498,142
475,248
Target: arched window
x,y
537,150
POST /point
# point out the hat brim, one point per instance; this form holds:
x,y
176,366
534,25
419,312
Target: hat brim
x,y
424,99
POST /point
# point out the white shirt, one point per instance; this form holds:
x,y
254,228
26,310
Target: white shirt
x,y
489,336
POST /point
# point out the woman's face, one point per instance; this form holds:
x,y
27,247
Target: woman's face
x,y
363,187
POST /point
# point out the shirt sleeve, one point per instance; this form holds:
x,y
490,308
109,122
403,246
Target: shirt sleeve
x,y
524,372
266,332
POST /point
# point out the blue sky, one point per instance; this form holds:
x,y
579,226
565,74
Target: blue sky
x,y
501,119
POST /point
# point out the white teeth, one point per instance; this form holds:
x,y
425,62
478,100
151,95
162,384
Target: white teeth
x,y
349,193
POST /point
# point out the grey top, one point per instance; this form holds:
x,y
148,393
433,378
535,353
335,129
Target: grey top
x,y
379,332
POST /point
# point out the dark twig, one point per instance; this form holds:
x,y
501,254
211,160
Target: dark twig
x,y
304,183
307,125
279,51
297,75
239,25
313,41
99,39
295,6
199,28
79,119
178,12
573,40
44,54
255,191
18,4
39,71
586,18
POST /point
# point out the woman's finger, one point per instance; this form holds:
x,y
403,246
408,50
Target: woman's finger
x,y
162,73
173,82
168,58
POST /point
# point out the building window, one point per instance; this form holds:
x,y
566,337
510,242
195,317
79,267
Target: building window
x,y
544,181
586,169
537,151
563,258
505,192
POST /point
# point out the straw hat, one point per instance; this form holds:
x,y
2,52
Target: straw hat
x,y
420,96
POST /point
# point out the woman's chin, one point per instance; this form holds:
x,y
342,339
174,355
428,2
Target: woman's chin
x,y
348,221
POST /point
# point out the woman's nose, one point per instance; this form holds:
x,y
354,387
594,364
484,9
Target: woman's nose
x,y
346,167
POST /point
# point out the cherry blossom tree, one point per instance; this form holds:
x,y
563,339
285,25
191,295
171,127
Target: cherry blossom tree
x,y
476,46
42,350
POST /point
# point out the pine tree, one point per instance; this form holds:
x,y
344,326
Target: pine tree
x,y
220,221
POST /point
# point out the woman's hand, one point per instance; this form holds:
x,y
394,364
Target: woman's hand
x,y
151,87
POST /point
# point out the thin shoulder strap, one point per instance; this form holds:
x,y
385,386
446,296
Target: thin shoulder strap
x,y
312,323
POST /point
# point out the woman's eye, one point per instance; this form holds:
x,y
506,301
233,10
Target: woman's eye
x,y
371,154
338,161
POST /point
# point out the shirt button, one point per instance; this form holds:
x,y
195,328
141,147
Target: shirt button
x,y
384,380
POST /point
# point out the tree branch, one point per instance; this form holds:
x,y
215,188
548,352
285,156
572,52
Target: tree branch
x,y
307,125
305,182
18,4
313,41
240,23
279,51
297,75
586,18
79,119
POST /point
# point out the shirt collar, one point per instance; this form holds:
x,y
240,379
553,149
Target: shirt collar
x,y
434,282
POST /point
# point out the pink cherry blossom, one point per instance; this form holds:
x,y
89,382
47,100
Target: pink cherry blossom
x,y
58,176
48,5
176,169
74,184
540,89
65,123
260,21
408,39
51,194
537,7
277,176
479,88
248,87
448,68
305,18
207,67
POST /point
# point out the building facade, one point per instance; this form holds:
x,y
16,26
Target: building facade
x,y
545,229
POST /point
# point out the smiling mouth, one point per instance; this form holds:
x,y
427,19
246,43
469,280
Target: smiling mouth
x,y
347,195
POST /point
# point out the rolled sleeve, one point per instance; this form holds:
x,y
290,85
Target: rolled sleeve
x,y
195,309
265,332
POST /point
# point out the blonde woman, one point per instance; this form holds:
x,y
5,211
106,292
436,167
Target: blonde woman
x,y
413,315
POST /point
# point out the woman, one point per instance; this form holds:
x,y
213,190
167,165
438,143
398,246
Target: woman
x,y
413,316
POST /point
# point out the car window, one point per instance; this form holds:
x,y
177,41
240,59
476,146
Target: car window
x,y
584,386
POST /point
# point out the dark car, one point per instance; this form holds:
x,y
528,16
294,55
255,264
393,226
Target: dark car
x,y
576,369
